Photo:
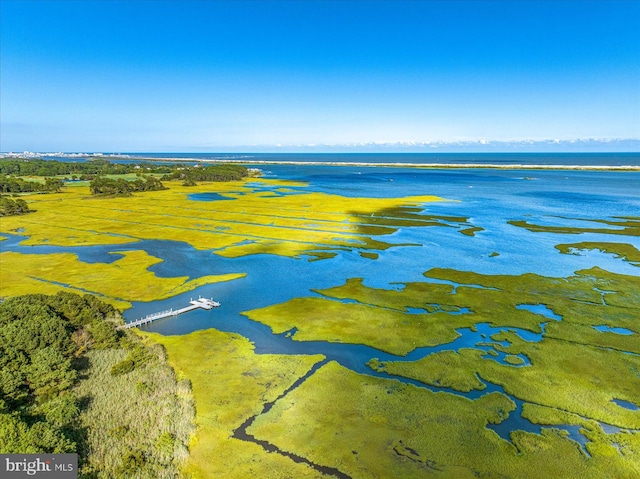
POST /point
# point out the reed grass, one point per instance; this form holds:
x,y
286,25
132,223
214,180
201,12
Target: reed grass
x,y
137,425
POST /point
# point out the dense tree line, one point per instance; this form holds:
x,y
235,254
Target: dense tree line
x,y
9,184
65,371
225,172
9,207
41,340
121,187
11,171
82,170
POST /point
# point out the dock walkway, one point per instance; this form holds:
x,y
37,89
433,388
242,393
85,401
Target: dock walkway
x,y
200,303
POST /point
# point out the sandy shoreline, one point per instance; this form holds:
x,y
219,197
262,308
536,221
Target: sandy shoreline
x,y
403,165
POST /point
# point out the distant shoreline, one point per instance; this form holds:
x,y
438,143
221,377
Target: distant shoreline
x,y
432,166
359,164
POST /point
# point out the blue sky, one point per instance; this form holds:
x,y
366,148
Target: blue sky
x,y
241,75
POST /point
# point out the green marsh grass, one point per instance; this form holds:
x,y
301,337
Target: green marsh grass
x,y
27,273
230,385
622,225
621,250
286,225
372,427
573,368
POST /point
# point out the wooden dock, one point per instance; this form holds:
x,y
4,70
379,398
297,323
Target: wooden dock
x,y
200,303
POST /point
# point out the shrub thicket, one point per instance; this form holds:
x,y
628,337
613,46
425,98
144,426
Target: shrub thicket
x,y
10,184
83,170
121,187
37,352
9,207
71,382
224,172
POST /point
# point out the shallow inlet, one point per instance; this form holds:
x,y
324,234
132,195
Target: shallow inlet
x,y
627,404
607,329
541,309
209,197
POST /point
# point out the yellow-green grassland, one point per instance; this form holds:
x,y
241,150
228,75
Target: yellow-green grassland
x,y
255,221
26,273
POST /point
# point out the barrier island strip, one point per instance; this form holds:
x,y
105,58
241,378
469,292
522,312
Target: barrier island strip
x,y
492,166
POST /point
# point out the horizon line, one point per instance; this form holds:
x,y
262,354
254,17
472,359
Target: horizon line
x,y
578,145
116,154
